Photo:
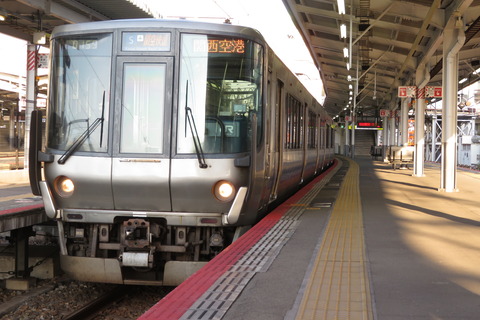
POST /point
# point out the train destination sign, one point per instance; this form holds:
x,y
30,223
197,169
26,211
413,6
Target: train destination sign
x,y
220,46
146,41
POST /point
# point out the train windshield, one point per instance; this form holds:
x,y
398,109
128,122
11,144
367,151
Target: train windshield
x,y
220,90
80,76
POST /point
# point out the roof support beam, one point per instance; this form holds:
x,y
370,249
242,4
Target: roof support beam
x,y
56,10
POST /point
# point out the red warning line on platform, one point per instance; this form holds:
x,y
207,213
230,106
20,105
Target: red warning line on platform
x,y
21,209
177,302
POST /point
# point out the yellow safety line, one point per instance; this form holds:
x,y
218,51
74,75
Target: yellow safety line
x,y
338,287
19,196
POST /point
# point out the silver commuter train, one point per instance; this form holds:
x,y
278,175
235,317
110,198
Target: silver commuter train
x,y
165,141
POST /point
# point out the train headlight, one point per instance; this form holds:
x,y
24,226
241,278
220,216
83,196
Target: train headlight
x,y
224,191
64,186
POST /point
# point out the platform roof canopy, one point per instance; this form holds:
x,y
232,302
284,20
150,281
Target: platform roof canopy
x,y
390,38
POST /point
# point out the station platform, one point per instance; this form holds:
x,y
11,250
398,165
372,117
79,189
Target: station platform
x,y
361,241
18,206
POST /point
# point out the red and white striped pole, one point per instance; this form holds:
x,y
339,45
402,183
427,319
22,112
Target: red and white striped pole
x,y
31,96
419,133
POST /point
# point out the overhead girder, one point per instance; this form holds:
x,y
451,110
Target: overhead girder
x,y
57,10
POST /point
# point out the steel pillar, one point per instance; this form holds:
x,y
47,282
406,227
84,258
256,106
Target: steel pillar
x,y
385,139
391,130
453,40
419,155
20,237
31,96
404,123
347,139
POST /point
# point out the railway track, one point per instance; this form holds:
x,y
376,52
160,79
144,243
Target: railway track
x,y
88,310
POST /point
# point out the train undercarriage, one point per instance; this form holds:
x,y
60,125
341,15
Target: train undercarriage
x,y
138,250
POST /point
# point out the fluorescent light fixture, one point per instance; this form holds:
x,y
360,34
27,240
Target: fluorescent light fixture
x,y
343,30
463,80
348,66
350,86
476,71
351,93
349,78
345,52
341,6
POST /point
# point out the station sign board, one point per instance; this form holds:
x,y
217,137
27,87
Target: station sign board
x,y
433,92
407,92
384,113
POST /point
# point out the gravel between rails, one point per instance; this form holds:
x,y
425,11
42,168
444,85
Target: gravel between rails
x,y
58,297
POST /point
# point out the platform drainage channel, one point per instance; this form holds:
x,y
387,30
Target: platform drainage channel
x,y
334,184
321,205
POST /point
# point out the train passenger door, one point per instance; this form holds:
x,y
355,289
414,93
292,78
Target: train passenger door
x,y
140,164
276,147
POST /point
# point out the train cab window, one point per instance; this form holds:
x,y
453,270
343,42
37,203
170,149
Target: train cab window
x,y
220,90
79,92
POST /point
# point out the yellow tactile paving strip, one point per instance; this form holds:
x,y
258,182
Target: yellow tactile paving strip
x,y
338,287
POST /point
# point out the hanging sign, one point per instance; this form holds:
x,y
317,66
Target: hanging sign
x,y
433,92
407,92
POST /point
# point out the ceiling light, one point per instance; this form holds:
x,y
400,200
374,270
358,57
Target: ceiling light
x,y
348,66
463,80
343,30
2,17
349,78
345,52
341,6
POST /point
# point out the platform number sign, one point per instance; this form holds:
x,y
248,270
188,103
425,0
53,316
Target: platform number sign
x,y
433,92
407,92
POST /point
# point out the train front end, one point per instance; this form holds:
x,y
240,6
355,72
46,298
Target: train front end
x,y
150,158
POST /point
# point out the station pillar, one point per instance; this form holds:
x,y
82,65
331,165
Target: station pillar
x,y
347,139
453,40
31,96
392,128
419,154
404,123
385,138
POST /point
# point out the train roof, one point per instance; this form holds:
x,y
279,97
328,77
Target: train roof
x,y
157,23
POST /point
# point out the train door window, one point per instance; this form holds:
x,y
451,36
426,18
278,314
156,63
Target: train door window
x,y
143,102
220,88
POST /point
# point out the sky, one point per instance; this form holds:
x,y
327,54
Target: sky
x,y
13,55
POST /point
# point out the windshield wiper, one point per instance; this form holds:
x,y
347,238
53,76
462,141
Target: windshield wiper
x,y
84,136
193,130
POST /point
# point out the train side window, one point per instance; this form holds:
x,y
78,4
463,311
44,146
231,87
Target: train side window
x,y
295,126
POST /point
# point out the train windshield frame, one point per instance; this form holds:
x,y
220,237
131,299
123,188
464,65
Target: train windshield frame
x,y
79,98
220,89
